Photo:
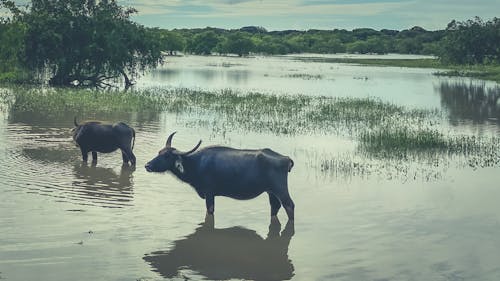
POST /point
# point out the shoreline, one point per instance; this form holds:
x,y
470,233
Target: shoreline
x,y
486,72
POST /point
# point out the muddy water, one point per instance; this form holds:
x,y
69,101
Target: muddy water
x,y
62,219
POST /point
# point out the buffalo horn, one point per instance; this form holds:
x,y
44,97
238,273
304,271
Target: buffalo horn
x,y
192,150
169,140
74,121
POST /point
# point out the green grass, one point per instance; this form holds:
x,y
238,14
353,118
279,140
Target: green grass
x,y
418,63
487,72
379,126
398,140
305,76
59,101
392,141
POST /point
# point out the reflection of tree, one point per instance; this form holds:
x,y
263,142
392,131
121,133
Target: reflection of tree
x,y
237,75
165,73
222,254
475,102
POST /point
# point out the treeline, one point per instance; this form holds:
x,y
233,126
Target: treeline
x,y
469,42
258,40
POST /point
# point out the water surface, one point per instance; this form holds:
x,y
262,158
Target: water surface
x,y
422,218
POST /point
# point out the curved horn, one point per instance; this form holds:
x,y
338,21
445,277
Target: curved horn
x,y
74,121
169,140
192,150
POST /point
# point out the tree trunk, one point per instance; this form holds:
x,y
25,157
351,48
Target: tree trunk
x,y
128,83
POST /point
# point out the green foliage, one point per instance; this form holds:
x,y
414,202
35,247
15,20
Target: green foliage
x,y
257,40
11,51
236,43
170,41
472,42
11,44
203,43
85,41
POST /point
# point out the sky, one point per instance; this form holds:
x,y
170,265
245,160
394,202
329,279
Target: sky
x,y
309,14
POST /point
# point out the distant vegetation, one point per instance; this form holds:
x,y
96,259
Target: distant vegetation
x,y
260,41
470,42
74,42
89,42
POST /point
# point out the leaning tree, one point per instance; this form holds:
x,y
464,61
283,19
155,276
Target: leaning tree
x,y
87,41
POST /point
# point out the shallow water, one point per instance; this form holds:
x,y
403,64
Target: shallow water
x,y
62,219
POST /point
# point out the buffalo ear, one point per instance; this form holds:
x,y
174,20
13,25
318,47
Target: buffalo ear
x,y
178,165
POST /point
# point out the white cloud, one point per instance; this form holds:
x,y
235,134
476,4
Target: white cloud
x,y
397,14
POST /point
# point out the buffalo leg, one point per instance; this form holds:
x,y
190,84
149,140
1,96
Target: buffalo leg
x,y
275,204
289,208
125,157
274,228
129,154
280,190
94,156
210,203
132,158
85,155
287,203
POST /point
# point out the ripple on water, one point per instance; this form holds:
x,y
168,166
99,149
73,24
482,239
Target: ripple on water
x,y
44,161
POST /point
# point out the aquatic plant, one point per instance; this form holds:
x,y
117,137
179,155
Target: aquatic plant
x,y
305,76
378,125
392,141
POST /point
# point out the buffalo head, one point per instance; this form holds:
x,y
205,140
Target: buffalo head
x,y
169,158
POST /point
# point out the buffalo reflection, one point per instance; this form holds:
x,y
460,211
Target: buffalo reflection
x,y
228,253
471,101
104,184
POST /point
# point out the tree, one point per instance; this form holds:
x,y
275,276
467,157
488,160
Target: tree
x,y
11,44
170,41
471,42
203,43
236,43
87,41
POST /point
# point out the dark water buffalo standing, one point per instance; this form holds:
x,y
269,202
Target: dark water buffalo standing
x,y
93,136
223,171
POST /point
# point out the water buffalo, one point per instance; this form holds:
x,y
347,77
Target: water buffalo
x,y
94,136
223,171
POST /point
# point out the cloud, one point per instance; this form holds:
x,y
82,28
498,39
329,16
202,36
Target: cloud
x,y
232,2
310,14
343,2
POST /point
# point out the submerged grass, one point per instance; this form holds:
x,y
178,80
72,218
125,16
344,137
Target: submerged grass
x,y
397,138
305,76
393,141
487,72
378,126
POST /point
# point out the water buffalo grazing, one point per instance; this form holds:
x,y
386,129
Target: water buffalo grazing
x,y
223,171
94,136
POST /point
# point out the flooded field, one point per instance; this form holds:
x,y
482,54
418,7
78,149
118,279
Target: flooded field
x,y
396,176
